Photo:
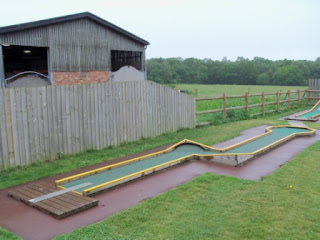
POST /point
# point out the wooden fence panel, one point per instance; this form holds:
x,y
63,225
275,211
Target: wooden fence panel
x,y
38,123
314,84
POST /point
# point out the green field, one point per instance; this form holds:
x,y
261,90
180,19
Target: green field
x,y
229,90
218,90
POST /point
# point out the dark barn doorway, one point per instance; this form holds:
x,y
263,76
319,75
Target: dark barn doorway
x,y
26,63
125,58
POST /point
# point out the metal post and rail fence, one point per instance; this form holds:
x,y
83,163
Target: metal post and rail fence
x,y
38,123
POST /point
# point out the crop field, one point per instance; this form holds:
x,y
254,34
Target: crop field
x,y
199,90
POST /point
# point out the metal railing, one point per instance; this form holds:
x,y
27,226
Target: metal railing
x,y
7,80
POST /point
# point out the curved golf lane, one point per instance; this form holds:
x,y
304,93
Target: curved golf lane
x,y
184,150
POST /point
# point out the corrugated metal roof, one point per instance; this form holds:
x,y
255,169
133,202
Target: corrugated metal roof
x,y
41,23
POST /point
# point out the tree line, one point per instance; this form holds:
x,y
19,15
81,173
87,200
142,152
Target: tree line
x,y
258,71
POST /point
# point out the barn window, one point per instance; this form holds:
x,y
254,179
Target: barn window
x,y
19,59
123,58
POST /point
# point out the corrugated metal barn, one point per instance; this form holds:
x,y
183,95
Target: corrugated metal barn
x,y
73,49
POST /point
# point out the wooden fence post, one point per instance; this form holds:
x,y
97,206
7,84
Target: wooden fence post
x,y
288,99
263,104
277,101
299,96
224,106
247,101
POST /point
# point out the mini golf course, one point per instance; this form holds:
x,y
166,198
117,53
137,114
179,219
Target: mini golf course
x,y
310,115
96,180
21,218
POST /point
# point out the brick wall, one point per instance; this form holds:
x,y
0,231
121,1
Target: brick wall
x,y
64,78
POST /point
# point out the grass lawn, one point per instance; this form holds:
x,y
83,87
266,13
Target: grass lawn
x,y
217,90
209,206
6,235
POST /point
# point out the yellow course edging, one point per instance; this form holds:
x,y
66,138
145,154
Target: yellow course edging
x,y
311,111
95,171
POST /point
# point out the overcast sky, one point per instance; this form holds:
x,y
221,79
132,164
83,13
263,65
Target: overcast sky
x,y
273,29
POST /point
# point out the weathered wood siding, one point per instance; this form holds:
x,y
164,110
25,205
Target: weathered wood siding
x,y
78,45
314,84
37,123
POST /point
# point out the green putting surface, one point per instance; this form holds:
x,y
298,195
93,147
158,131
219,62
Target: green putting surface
x,y
261,142
316,111
179,152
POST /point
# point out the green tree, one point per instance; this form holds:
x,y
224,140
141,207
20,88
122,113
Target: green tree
x,y
264,79
289,76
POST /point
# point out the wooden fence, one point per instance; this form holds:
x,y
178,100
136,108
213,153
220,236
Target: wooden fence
x,y
38,123
300,94
314,90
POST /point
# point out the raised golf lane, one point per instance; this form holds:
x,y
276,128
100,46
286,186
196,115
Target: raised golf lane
x,y
311,114
184,150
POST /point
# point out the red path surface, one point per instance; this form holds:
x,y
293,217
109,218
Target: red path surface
x,y
31,224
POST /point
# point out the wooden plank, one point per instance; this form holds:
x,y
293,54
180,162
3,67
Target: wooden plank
x,y
72,120
143,111
209,111
103,115
67,128
76,118
263,104
127,116
115,96
55,122
4,148
235,96
59,119
137,114
26,127
33,124
119,113
86,125
20,126
208,98
9,131
80,97
50,131
92,117
33,192
40,123
59,206
97,117
277,101
224,104
247,102
21,197
14,128
45,123
109,126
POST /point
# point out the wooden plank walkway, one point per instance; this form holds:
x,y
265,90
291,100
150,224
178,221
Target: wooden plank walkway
x,y
60,206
